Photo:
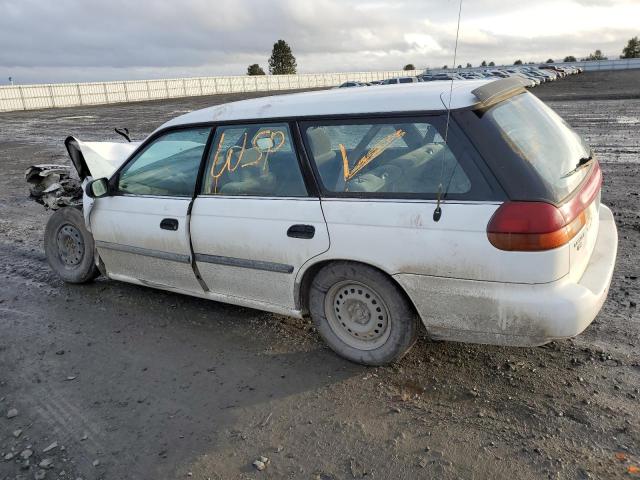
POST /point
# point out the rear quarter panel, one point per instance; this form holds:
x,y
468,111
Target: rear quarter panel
x,y
402,237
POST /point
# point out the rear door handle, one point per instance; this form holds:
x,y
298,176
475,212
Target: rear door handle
x,y
301,231
169,224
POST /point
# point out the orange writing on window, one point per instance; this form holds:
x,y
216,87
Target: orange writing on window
x,y
373,153
276,139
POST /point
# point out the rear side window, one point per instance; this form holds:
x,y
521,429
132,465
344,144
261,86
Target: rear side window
x,y
167,167
392,157
541,137
253,160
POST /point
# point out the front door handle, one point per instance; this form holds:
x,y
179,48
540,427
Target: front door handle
x,y
169,224
301,231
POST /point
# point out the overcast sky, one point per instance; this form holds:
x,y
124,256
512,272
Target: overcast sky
x,y
85,40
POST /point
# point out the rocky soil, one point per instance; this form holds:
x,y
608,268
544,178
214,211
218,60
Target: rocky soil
x,y
115,381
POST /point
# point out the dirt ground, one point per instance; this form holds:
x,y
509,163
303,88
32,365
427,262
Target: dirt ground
x,y
129,382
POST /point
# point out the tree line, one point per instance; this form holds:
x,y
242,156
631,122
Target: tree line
x,y
631,50
283,62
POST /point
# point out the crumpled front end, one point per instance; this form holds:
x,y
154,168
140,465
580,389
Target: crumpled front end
x,y
56,186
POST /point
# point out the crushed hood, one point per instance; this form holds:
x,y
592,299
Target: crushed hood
x,y
98,159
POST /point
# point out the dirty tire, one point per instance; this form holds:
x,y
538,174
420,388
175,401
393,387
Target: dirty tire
x,y
346,297
69,246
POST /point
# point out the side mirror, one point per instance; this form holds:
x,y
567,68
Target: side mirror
x,y
97,188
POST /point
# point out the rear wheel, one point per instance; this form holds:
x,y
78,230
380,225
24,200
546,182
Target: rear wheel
x,y
362,314
69,246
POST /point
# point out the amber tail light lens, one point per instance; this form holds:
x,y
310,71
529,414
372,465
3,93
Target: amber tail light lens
x,y
537,226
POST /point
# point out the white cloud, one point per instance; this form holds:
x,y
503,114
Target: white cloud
x,y
76,40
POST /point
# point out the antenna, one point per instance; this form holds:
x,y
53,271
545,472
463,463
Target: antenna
x,y
437,213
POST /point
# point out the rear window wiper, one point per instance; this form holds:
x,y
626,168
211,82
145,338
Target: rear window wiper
x,y
581,163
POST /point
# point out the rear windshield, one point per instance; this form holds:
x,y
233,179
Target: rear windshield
x,y
544,139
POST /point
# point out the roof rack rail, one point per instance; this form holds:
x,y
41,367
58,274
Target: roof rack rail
x,y
499,90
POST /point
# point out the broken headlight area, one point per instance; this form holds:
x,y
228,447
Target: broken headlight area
x,y
54,186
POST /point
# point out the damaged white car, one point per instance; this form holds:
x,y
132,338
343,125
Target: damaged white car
x,y
371,210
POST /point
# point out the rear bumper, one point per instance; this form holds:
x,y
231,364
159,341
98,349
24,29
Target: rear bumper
x,y
516,314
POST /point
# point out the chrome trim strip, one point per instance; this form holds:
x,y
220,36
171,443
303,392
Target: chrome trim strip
x,y
244,263
146,252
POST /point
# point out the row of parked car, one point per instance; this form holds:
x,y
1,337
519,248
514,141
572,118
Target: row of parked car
x,y
534,75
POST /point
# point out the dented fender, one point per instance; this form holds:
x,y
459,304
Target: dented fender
x,y
87,203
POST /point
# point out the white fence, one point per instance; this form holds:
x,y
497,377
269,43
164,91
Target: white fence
x,y
619,64
31,97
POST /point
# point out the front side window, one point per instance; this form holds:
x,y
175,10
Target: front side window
x,y
253,160
405,157
168,166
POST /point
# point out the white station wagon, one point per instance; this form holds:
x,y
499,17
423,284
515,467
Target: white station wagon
x,y
372,210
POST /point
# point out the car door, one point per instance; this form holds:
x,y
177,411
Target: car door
x,y
380,179
142,230
254,223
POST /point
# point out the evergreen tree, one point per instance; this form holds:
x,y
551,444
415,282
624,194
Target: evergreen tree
x,y
282,61
255,69
597,55
632,50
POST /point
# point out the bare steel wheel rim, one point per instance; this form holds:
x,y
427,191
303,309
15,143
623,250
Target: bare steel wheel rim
x,y
70,245
357,315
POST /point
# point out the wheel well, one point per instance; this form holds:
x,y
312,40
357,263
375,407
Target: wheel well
x,y
312,271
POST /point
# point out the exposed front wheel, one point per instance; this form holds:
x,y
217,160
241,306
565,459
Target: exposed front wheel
x,y
361,314
69,246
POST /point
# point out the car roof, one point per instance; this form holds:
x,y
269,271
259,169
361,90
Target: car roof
x,y
408,97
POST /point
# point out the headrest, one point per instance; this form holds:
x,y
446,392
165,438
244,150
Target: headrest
x,y
320,145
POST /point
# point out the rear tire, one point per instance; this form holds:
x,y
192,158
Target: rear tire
x,y
69,246
361,314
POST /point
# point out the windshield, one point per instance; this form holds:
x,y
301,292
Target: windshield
x,y
544,139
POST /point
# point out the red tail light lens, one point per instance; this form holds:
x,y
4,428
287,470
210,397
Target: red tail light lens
x,y
536,226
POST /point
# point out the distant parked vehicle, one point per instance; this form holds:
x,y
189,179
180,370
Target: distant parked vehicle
x,y
513,72
499,73
560,73
471,75
550,75
352,84
440,76
395,81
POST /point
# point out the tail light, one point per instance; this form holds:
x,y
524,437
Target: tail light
x,y
536,226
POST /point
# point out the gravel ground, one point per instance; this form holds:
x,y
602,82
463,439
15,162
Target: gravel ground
x,y
122,381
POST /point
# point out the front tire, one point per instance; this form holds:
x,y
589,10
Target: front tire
x,y
69,246
361,314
